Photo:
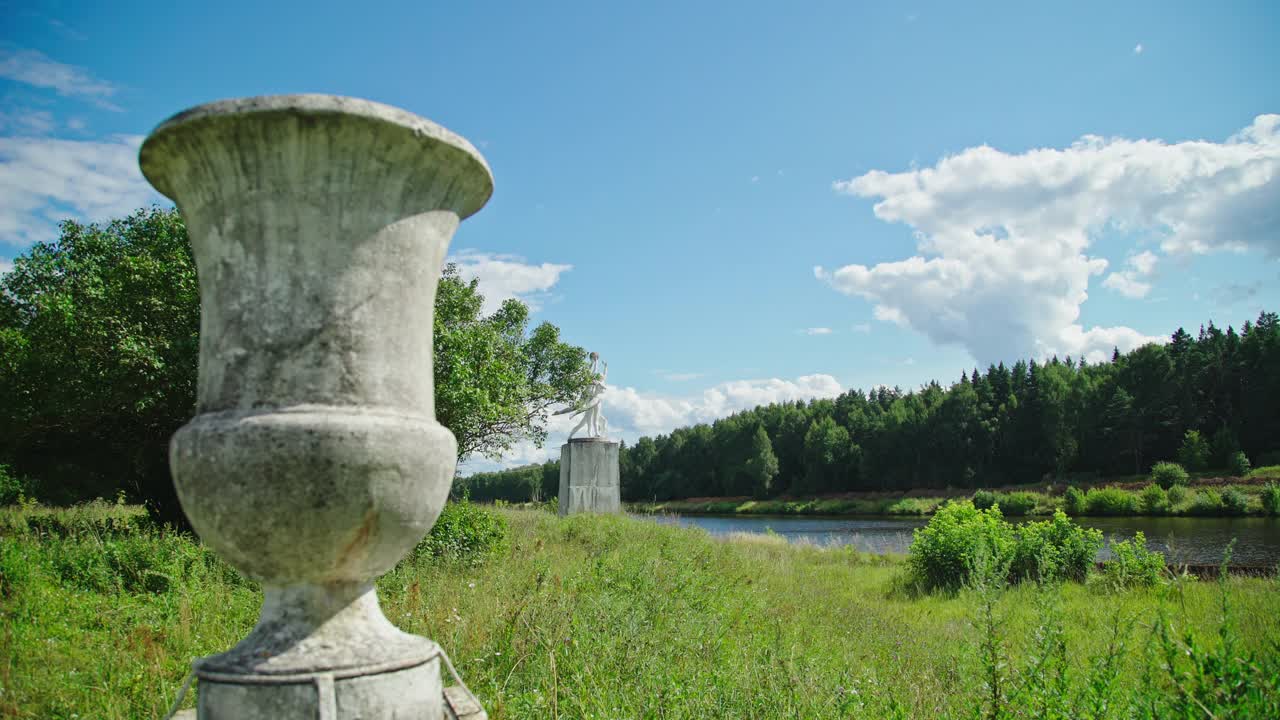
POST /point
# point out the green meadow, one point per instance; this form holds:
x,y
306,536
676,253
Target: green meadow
x,y
616,617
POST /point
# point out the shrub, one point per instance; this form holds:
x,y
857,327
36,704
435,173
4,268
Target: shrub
x,y
984,499
1177,494
464,531
1056,549
1111,501
1167,474
1132,564
1271,498
1154,500
1194,453
1238,464
1235,502
10,486
943,553
1205,502
1074,500
1017,503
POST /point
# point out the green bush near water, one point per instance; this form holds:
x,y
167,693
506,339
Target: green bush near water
x,y
1110,501
945,552
1154,500
1271,498
1133,565
1167,474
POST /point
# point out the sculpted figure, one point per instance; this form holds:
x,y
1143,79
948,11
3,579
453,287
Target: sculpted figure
x,y
589,407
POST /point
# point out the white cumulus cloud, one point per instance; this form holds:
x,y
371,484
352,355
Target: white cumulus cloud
x,y
650,414
44,180
508,276
1003,267
817,331
1133,281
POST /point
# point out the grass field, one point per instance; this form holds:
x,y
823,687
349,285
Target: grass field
x,y
611,617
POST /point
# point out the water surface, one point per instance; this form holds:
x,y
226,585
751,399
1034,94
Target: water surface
x,y
1181,539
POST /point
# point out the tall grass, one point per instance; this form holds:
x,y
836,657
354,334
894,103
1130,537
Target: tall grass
x,y
608,617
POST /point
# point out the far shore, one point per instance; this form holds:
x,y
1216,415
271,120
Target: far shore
x,y
1200,497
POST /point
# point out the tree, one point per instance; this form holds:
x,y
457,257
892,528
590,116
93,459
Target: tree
x,y
99,338
494,384
762,465
826,447
1194,453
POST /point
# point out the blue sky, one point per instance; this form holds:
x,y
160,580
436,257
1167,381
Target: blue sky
x,y
744,202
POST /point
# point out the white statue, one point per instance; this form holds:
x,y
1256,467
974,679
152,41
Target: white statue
x,y
589,406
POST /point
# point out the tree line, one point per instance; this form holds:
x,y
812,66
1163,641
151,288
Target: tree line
x,y
1007,425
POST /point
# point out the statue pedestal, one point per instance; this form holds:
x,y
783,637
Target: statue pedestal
x,y
589,476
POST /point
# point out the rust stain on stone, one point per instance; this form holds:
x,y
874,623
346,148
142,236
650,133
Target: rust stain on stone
x,y
354,549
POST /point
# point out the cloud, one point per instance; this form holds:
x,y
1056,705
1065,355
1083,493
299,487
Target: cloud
x,y
817,331
35,68
863,328
508,276
26,122
44,180
1002,267
1137,49
649,414
5,265
679,376
1132,282
632,414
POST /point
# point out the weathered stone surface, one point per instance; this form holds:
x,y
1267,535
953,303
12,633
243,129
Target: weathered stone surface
x,y
589,476
315,461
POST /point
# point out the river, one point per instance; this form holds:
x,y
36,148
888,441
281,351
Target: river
x,y
1189,540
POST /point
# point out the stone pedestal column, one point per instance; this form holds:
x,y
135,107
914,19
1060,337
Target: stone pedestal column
x,y
315,461
589,476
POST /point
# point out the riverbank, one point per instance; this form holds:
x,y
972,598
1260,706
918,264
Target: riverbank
x,y
1205,496
621,618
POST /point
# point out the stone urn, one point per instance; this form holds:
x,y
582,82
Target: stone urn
x,y
315,462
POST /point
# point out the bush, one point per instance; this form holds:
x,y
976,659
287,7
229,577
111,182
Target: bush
x,y
1154,500
1177,494
1111,501
1132,564
1235,502
984,499
1238,464
14,488
1167,474
1056,549
1271,498
464,531
1194,453
1205,502
1074,500
943,553
1017,503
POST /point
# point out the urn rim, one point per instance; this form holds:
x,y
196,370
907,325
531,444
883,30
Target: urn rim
x,y
416,126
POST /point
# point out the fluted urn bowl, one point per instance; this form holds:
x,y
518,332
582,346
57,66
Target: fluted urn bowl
x,y
314,462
